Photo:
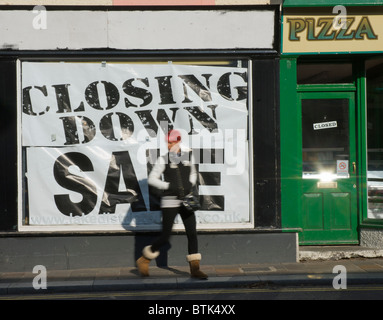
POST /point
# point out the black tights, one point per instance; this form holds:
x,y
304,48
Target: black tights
x,y
188,218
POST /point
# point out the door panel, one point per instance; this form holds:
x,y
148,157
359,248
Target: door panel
x,y
313,211
329,195
340,206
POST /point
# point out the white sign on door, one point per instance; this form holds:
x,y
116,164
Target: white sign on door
x,y
325,125
342,167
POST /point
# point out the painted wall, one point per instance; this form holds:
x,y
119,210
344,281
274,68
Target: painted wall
x,y
132,30
137,2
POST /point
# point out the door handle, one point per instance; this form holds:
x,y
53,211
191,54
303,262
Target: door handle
x,y
353,167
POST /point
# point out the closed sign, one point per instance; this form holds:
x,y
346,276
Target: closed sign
x,y
325,125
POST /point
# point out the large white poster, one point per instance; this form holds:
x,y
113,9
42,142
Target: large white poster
x,y
91,132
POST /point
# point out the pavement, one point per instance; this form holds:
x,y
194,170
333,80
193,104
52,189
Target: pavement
x,y
316,267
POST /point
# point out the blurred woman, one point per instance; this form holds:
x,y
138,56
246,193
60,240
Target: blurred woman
x,y
179,176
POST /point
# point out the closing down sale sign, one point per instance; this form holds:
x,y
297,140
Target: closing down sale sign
x,y
91,133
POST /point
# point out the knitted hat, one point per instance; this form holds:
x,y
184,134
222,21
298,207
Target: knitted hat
x,y
173,136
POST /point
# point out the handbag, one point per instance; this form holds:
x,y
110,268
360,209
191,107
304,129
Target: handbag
x,y
191,200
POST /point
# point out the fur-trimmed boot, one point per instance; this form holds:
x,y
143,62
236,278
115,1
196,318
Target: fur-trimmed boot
x,y
143,262
195,272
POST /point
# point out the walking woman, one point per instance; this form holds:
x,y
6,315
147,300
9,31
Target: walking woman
x,y
179,175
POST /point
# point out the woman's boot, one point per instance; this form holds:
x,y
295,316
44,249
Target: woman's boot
x,y
194,260
143,262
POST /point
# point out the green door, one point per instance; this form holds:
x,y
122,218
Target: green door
x,y
329,168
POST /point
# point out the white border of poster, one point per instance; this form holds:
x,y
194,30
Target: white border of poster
x,y
91,131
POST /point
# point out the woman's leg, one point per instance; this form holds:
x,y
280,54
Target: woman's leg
x,y
194,258
151,252
168,216
189,220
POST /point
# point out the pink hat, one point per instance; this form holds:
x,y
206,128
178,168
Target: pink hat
x,y
173,136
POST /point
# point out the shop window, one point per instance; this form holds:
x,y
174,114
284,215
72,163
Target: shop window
x,y
325,133
324,73
88,145
374,75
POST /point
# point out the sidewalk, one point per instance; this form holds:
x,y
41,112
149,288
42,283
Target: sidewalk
x,y
362,268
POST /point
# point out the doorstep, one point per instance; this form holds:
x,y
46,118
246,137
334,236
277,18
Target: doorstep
x,y
315,253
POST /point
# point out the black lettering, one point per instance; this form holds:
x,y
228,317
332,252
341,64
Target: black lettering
x,y
210,178
27,103
137,92
121,166
63,101
71,131
93,99
107,128
241,90
165,88
202,118
74,183
150,124
154,193
164,121
224,86
192,82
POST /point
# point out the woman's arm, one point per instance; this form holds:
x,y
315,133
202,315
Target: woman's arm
x,y
154,178
193,172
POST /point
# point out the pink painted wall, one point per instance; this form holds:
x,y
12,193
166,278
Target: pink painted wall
x,y
163,2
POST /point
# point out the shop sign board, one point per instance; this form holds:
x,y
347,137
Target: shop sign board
x,y
138,29
309,32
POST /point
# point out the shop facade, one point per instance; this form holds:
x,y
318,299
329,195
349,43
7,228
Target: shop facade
x,y
331,110
88,95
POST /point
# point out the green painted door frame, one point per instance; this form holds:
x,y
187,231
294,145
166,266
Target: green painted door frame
x,y
298,194
329,202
